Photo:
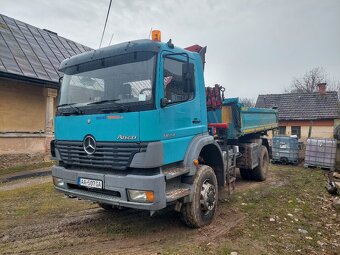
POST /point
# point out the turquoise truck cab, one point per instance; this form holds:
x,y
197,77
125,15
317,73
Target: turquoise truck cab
x,y
131,130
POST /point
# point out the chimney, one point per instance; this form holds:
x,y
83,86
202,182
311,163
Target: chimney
x,y
322,88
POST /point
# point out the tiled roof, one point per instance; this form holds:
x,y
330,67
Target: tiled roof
x,y
30,52
302,106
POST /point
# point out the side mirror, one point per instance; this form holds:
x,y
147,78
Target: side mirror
x,y
61,80
59,88
164,102
188,76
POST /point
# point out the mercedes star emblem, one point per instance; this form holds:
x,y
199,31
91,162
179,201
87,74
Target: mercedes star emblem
x,y
89,145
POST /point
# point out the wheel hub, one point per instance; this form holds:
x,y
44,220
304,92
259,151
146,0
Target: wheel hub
x,y
208,197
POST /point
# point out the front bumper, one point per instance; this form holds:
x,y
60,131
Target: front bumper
x,y
117,183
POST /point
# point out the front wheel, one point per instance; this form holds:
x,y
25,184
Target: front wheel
x,y
201,210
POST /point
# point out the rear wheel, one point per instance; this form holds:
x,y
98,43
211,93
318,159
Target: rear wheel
x,y
259,173
202,209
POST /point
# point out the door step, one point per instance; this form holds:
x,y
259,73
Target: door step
x,y
174,172
177,193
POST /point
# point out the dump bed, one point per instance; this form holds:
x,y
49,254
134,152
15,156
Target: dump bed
x,y
243,120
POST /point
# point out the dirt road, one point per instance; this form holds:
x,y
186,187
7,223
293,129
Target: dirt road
x,y
37,220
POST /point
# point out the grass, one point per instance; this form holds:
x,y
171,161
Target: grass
x,y
37,202
274,213
22,168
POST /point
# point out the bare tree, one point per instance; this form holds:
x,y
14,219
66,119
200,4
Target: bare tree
x,y
247,102
309,82
334,86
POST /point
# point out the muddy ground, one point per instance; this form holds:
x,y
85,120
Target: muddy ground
x,y
289,213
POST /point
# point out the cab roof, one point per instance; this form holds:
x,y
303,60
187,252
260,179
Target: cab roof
x,y
119,49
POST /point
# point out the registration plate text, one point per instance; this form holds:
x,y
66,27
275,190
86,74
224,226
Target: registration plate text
x,y
91,183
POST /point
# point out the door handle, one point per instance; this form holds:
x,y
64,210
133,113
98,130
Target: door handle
x,y
196,121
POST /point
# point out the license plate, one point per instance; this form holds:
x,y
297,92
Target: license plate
x,y
91,183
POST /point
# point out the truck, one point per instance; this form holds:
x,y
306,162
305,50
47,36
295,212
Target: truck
x,y
137,128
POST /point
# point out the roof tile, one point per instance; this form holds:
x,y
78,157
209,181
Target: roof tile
x,y
302,106
32,52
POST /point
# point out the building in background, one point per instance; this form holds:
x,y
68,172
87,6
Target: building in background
x,y
304,114
29,77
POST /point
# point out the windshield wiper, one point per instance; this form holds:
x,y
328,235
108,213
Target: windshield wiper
x,y
104,101
117,107
76,109
120,108
61,105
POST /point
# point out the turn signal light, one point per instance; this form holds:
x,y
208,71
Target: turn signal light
x,y
150,197
141,196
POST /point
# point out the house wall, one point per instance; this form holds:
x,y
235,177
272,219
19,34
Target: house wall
x,y
22,107
22,150
322,132
320,128
26,122
22,144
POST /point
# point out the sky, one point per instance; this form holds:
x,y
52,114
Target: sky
x,y
254,46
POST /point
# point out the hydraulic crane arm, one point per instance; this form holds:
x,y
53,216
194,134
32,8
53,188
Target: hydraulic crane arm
x,y
200,50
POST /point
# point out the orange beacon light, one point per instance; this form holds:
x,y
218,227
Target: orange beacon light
x,y
156,35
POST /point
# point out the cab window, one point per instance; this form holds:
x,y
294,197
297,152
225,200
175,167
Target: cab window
x,y
174,83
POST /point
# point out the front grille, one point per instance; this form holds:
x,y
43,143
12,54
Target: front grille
x,y
107,155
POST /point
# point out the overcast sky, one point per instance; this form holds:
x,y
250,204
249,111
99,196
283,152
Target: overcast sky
x,y
254,47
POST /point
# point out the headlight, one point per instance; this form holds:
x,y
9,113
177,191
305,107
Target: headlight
x,y
58,182
142,196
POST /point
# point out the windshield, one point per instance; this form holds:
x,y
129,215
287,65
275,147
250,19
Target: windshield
x,y
125,79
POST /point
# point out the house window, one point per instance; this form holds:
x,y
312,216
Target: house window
x,y
296,130
282,130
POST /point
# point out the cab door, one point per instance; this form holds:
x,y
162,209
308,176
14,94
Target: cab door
x,y
180,116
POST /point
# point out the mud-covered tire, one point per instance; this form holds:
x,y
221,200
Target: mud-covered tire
x,y
245,174
259,173
194,214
